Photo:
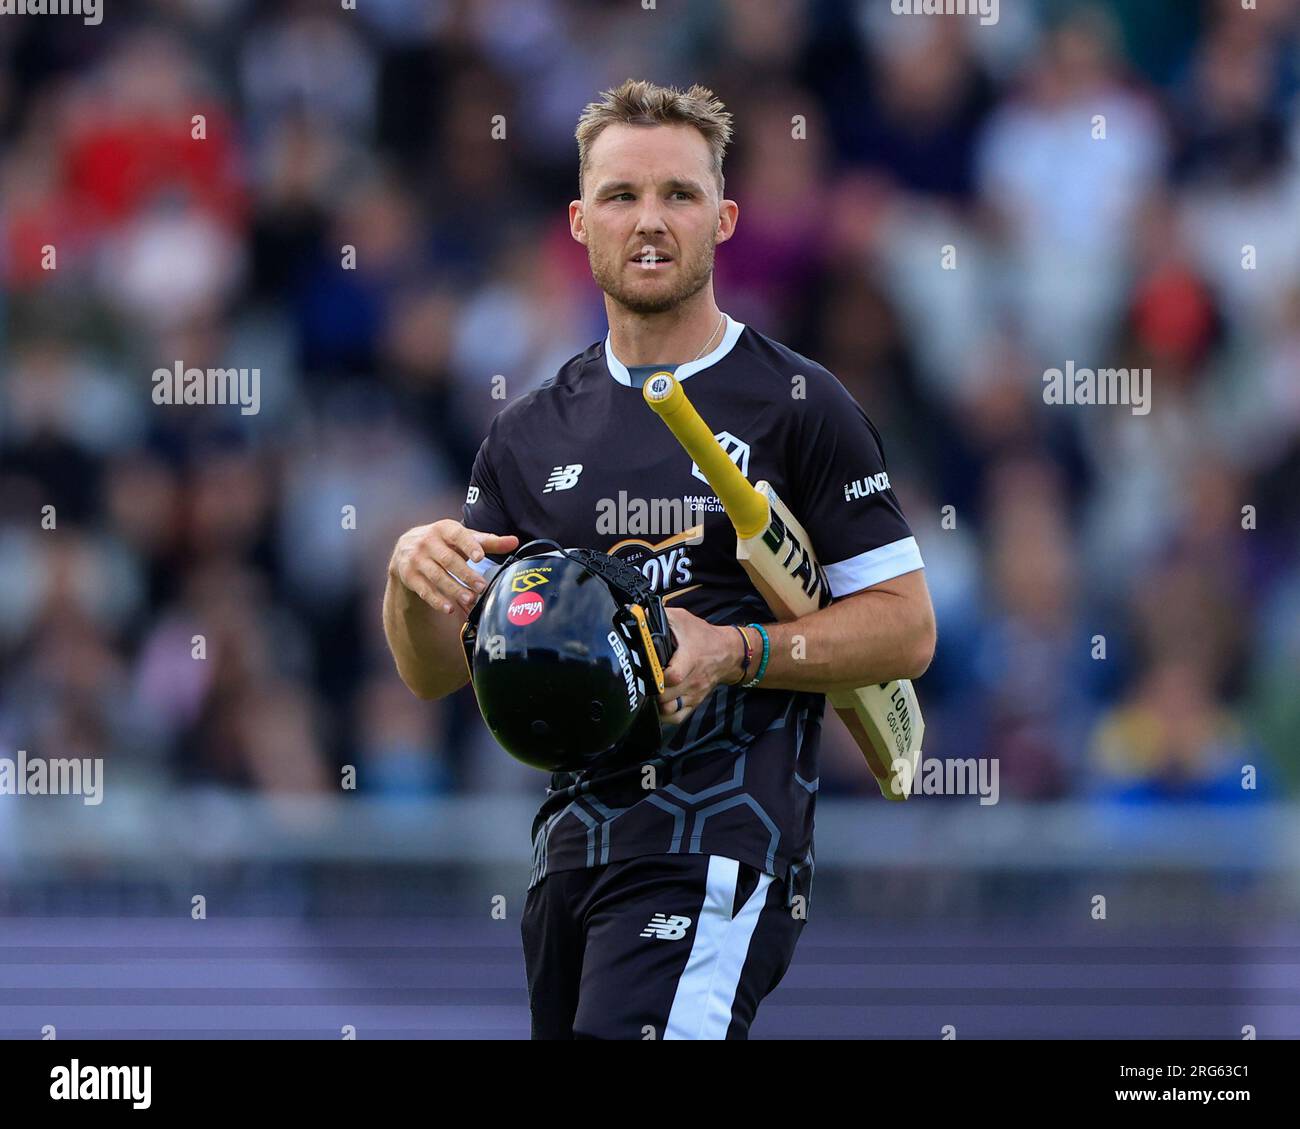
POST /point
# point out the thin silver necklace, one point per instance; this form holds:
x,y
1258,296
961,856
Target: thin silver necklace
x,y
721,318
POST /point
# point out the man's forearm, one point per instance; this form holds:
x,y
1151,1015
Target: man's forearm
x,y
872,636
425,643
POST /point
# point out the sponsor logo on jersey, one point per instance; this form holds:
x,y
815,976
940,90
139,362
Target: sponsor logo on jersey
x,y
737,451
525,608
667,566
472,496
563,478
665,928
865,487
703,504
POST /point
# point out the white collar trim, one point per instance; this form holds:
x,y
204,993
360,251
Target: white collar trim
x,y
618,370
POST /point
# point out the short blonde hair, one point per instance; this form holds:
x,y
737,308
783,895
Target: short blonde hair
x,y
638,102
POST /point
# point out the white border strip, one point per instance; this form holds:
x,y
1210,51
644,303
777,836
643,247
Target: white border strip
x,y
875,566
707,989
618,370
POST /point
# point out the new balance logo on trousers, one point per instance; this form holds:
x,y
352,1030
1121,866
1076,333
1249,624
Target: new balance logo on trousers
x,y
656,947
667,928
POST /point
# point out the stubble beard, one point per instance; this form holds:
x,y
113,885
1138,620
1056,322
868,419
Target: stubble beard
x,y
694,275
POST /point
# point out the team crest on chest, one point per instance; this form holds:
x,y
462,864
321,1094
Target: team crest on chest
x,y
737,451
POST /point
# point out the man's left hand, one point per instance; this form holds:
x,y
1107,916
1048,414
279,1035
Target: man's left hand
x,y
706,655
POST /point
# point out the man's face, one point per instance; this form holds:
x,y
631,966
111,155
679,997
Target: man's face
x,y
650,215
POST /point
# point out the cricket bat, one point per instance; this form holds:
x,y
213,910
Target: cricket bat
x,y
773,549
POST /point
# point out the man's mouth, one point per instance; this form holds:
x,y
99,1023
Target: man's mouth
x,y
654,260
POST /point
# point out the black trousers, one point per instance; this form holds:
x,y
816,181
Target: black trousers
x,y
658,947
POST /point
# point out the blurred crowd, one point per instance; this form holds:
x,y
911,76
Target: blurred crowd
x,y
369,206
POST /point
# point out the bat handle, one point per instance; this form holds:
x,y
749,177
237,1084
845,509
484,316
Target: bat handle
x,y
745,506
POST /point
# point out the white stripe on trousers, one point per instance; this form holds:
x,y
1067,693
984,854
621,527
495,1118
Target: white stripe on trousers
x,y
707,988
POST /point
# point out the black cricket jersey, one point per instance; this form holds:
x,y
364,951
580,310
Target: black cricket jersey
x,y
584,461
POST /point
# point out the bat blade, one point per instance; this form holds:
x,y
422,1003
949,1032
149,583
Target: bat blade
x,y
889,718
775,552
885,720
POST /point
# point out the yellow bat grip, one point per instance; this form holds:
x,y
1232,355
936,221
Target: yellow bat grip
x,y
746,507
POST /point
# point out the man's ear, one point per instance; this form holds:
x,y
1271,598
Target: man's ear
x,y
728,213
577,222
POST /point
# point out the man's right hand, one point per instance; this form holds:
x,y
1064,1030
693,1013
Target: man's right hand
x,y
432,562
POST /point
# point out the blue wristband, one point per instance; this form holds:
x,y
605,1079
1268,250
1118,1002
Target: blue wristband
x,y
762,666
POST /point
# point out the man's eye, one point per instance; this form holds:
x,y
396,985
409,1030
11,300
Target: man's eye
x,y
622,195
683,192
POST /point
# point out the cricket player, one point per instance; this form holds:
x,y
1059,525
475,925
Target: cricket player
x,y
670,909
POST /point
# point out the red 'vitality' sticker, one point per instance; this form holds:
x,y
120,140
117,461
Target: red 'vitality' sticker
x,y
524,609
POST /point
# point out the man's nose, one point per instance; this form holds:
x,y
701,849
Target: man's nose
x,y
650,219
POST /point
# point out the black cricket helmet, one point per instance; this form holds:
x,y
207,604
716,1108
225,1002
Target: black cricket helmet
x,y
566,650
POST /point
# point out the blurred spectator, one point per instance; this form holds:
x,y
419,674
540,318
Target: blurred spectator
x,y
1063,169
1170,740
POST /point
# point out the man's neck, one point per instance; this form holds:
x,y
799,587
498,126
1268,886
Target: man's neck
x,y
676,336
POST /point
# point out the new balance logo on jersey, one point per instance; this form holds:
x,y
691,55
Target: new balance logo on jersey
x,y
865,487
665,928
563,478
